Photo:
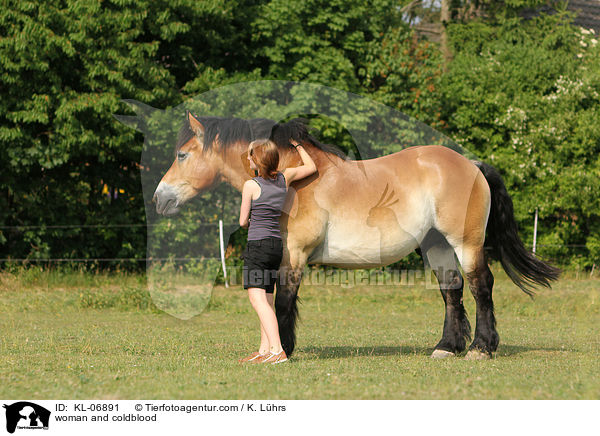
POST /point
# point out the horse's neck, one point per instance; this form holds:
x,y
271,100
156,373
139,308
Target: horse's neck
x,y
236,170
323,160
234,176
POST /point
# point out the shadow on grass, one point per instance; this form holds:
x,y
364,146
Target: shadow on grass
x,y
347,351
512,350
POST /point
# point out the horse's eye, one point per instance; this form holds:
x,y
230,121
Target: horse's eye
x,y
181,155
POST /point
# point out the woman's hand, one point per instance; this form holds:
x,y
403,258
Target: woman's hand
x,y
307,168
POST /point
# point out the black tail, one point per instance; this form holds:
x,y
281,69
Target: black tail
x,y
286,308
524,269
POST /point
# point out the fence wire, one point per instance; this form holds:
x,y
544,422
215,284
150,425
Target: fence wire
x,y
22,228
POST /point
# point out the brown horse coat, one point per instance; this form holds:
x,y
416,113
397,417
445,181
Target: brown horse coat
x,y
361,214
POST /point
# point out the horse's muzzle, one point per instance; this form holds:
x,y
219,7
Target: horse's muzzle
x,y
166,200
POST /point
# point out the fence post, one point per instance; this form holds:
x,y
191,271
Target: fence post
x,y
535,229
222,245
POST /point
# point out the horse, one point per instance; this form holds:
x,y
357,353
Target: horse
x,y
429,198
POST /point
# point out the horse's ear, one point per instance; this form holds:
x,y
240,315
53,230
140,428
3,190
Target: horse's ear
x,y
195,124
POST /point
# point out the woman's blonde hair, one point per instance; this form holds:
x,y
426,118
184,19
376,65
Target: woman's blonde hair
x,y
265,155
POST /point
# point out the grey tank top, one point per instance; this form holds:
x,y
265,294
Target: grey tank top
x,y
266,209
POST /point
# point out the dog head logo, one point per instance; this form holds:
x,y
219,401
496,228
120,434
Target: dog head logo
x,y
26,415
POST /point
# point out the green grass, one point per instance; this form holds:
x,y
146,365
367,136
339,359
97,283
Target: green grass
x,y
81,336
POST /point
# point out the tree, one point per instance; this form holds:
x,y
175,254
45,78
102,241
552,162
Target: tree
x,y
523,95
66,65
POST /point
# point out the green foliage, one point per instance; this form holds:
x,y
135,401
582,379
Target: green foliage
x,y
67,64
524,95
65,67
361,47
496,10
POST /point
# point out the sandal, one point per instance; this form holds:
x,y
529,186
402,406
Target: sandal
x,y
274,358
253,358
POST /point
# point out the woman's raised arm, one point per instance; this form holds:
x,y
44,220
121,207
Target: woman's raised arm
x,y
307,168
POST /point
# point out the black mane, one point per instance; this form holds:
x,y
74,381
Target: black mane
x,y
233,130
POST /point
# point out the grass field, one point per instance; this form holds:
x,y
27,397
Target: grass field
x,y
84,336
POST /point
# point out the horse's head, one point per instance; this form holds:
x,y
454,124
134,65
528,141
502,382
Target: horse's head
x,y
194,169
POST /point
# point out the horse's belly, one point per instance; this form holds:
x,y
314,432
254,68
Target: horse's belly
x,y
363,249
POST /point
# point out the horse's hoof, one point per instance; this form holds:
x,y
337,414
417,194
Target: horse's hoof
x,y
477,355
441,354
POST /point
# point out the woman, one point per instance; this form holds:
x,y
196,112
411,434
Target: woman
x,y
262,200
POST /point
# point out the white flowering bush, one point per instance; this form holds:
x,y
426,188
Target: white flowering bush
x,y
525,97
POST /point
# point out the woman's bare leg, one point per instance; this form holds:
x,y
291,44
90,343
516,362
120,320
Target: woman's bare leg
x,y
263,305
264,340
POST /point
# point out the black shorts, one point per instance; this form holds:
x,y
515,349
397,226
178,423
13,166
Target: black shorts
x,y
261,263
